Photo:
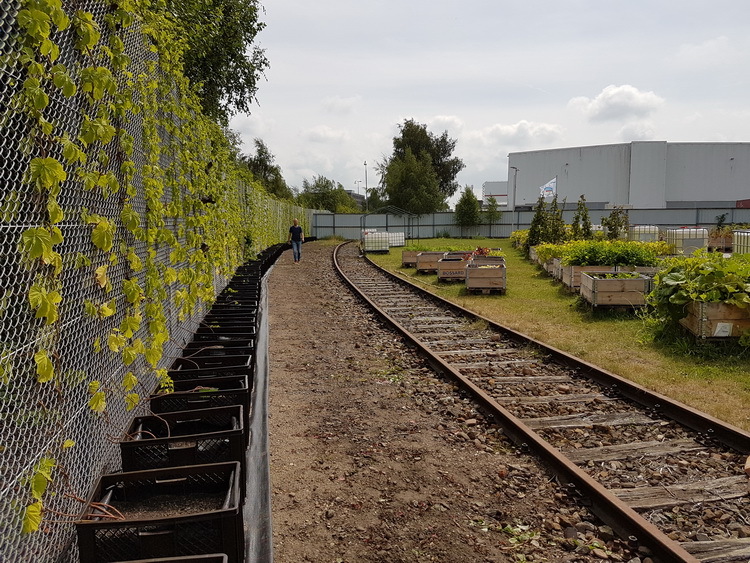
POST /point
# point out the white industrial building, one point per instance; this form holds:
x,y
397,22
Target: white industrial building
x,y
638,175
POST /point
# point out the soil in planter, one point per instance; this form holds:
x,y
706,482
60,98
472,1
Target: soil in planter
x,y
169,506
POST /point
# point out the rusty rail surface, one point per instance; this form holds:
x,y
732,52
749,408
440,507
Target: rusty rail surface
x,y
624,520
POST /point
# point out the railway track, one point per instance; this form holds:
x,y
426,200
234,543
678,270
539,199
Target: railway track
x,y
661,474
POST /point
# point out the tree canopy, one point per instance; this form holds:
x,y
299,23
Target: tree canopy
x,y
493,213
220,59
266,171
323,193
411,183
416,138
467,213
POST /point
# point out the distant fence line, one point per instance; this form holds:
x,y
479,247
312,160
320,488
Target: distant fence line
x,y
349,225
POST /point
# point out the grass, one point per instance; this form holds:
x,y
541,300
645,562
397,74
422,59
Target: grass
x,y
714,378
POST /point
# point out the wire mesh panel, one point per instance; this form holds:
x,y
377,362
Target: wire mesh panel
x,y
48,429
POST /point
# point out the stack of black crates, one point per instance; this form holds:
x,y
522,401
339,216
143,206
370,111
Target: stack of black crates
x,y
180,494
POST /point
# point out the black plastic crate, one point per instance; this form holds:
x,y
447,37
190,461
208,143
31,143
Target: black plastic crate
x,y
192,394
225,336
208,362
208,348
208,558
172,512
193,437
225,371
244,329
230,318
218,344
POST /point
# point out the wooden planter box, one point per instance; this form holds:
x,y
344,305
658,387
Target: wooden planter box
x,y
645,270
428,261
172,512
723,243
571,275
485,277
409,258
716,320
629,292
451,269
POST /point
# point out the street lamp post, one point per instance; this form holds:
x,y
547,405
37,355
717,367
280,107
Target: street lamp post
x,y
515,181
366,207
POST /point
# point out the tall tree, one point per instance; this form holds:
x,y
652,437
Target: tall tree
x,y
467,213
493,213
220,59
266,171
581,226
323,193
412,184
415,137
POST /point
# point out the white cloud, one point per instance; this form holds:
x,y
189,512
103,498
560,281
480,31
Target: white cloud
x,y
325,134
340,106
637,131
450,123
522,133
715,52
617,102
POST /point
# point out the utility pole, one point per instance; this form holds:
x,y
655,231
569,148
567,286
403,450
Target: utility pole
x,y
366,208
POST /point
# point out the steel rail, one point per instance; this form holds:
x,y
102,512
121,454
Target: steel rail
x,y
625,521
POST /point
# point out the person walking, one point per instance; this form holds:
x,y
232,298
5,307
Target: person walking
x,y
296,237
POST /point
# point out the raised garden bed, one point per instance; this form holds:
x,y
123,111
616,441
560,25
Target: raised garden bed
x,y
486,277
716,320
428,261
613,290
451,268
409,258
571,275
171,512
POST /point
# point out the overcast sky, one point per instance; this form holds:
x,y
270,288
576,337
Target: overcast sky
x,y
499,76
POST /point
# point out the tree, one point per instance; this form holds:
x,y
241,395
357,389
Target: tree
x,y
493,213
323,193
581,227
467,210
266,172
617,223
555,223
538,227
415,137
220,59
412,184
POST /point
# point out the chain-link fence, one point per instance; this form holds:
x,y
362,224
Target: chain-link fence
x,y
48,429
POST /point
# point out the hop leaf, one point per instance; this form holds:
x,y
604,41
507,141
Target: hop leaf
x,y
32,518
45,370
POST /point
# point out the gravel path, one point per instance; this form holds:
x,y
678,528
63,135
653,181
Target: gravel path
x,y
374,458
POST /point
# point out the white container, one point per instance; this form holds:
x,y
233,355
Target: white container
x,y
396,239
687,240
643,233
375,242
741,242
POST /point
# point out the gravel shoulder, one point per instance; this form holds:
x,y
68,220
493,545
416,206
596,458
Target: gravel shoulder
x,y
374,458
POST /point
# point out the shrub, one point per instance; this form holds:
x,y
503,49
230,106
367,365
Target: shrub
x,y
706,277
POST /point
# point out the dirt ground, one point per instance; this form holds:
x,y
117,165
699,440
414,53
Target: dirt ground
x,y
374,458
